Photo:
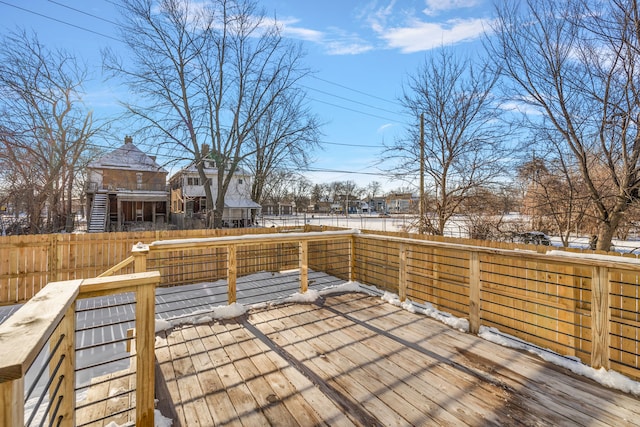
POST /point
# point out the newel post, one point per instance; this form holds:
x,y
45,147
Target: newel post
x,y
600,317
474,292
303,251
139,253
145,350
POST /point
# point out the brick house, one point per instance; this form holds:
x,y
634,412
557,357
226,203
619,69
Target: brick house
x,y
126,189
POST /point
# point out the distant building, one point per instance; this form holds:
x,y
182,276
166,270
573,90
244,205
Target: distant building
x,y
401,203
278,208
188,198
126,188
378,204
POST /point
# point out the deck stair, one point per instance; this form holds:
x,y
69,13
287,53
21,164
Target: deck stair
x,y
98,221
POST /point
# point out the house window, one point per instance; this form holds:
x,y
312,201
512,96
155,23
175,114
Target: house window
x,y
193,181
240,181
139,180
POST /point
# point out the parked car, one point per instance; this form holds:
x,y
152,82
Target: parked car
x,y
533,238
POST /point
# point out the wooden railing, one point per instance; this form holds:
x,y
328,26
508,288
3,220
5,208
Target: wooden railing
x,y
28,263
574,305
579,305
49,320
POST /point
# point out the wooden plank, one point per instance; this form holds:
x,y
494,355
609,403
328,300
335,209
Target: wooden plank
x,y
217,399
243,399
168,379
413,400
267,398
564,394
29,328
277,373
191,396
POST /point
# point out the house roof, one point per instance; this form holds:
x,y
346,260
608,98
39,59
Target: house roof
x,y
210,172
127,157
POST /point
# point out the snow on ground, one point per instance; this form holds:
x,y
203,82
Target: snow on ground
x,y
456,227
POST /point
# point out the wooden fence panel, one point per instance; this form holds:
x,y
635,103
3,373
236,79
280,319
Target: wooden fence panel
x,y
28,263
624,350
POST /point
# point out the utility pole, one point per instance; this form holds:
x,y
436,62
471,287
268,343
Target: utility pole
x,y
421,227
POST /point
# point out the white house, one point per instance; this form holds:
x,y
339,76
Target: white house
x,y
188,198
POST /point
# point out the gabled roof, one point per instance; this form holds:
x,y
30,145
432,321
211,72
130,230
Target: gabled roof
x,y
210,172
127,157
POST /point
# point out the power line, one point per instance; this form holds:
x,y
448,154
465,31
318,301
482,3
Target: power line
x,y
351,100
342,144
60,21
353,90
84,13
314,89
356,111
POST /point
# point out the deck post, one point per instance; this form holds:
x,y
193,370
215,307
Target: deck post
x,y
600,317
139,253
303,250
352,258
402,273
12,402
231,274
474,292
145,353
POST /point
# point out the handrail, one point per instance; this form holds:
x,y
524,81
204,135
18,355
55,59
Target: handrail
x,y
29,330
26,331
249,239
557,257
119,266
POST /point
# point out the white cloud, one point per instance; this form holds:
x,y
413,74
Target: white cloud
x,y
385,126
334,41
411,30
419,36
434,7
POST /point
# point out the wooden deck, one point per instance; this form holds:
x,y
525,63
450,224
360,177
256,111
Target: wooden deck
x,y
355,360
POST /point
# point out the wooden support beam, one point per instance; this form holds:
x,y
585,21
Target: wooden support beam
x,y
600,318
402,273
145,354
12,402
352,258
231,274
474,292
303,252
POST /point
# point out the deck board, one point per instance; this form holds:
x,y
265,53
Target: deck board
x,y
353,359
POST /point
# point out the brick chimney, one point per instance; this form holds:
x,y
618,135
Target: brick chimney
x,y
128,140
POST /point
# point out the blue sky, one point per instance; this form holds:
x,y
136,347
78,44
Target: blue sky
x,y
360,53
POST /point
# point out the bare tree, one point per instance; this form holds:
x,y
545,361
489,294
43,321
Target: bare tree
x,y
206,73
575,62
282,139
463,137
300,190
45,127
555,198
